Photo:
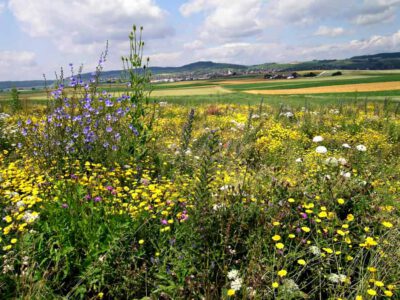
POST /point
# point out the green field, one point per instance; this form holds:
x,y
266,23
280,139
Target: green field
x,y
233,90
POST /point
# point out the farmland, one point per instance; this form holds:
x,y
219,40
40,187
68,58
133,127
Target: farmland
x,y
350,85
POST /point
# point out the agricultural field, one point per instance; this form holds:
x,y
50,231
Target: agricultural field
x,y
202,191
373,85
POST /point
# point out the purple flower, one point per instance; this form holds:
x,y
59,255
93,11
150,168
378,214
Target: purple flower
x,y
97,199
109,129
64,205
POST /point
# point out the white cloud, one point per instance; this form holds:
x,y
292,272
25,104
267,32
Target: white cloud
x,y
13,64
307,12
82,24
256,53
226,19
377,11
329,31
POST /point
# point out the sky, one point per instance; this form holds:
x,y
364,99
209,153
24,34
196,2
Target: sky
x,y
40,36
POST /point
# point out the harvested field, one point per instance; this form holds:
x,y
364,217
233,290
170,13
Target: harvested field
x,y
362,87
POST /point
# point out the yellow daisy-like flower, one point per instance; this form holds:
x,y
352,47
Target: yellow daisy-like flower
x,y
379,283
305,229
328,250
359,297
350,217
276,238
388,293
282,273
275,285
231,292
372,269
141,242
301,262
280,246
292,236
387,224
371,292
340,201
291,200
14,241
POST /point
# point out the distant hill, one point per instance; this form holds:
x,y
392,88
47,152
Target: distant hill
x,y
381,61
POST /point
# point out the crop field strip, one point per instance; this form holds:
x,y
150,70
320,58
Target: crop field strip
x,y
296,84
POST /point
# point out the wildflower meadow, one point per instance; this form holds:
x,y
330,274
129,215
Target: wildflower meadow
x,y
122,196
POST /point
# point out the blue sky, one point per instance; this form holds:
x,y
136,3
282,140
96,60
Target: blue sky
x,y
40,36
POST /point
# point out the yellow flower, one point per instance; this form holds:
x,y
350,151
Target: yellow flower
x,y
341,232
14,241
8,247
340,201
350,217
275,285
328,250
141,242
322,214
231,292
276,237
305,229
359,297
282,273
388,293
371,292
280,246
8,219
369,241
301,262
379,283
276,223
100,295
291,200
292,236
387,224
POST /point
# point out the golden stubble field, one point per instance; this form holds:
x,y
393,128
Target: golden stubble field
x,y
346,88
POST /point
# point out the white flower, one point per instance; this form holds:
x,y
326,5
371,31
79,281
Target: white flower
x,y
336,278
317,139
321,149
342,161
218,206
224,187
188,152
315,250
345,174
287,114
345,145
237,284
361,148
233,274
163,103
30,217
299,160
332,161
